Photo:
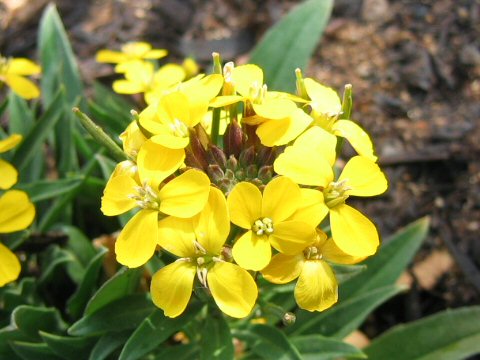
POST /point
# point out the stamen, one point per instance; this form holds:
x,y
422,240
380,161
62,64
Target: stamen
x,y
263,226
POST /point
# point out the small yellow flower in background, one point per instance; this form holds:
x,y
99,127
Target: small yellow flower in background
x,y
317,287
271,220
16,212
309,161
129,52
13,72
184,197
199,243
326,108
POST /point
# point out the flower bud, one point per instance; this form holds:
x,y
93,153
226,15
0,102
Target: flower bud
x,y
232,163
251,171
265,174
247,156
215,155
215,173
233,139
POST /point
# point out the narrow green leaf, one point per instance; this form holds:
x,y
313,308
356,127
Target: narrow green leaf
x,y
268,342
34,351
21,118
108,343
216,342
343,318
123,283
33,141
79,245
47,189
7,336
51,259
154,330
346,272
393,257
80,298
69,348
3,107
31,319
179,352
317,347
290,43
122,314
448,335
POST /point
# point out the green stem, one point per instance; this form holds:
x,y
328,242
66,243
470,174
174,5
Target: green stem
x,y
100,136
215,126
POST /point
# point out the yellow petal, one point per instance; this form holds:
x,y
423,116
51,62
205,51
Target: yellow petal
x,y
283,268
16,211
220,101
10,142
186,195
332,252
9,175
233,289
138,239
244,204
275,108
177,236
353,232
291,237
212,225
364,177
128,87
22,87
136,48
203,89
168,75
171,287
174,108
312,209
23,67
252,252
324,99
9,265
320,142
244,76
157,162
282,131
281,198
109,56
171,141
116,197
155,54
316,288
356,136
304,167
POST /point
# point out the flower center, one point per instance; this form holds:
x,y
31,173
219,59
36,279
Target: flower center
x,y
336,193
312,253
257,92
178,128
146,197
263,226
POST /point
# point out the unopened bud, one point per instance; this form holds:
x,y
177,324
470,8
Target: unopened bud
x,y
217,63
227,253
215,155
247,156
266,155
289,318
251,171
215,173
232,163
233,139
195,154
265,174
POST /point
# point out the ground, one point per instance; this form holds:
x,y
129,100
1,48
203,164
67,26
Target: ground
x,y
415,71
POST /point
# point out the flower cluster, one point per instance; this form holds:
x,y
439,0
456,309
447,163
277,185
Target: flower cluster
x,y
13,72
16,211
234,181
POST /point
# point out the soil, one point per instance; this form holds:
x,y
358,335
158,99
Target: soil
x,y
415,70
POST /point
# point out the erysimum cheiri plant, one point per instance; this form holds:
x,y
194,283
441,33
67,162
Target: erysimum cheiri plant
x,y
253,203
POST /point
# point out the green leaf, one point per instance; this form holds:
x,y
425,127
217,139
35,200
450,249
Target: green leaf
x,y
33,141
31,319
21,118
80,298
24,292
7,336
47,189
448,335
51,259
34,351
290,43
57,59
179,352
393,257
317,347
269,342
123,283
79,245
122,314
108,343
154,330
69,348
216,342
347,272
343,318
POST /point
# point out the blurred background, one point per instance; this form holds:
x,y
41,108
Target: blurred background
x,y
415,70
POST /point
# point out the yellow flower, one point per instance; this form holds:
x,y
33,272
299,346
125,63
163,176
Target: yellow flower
x,y
13,72
309,161
9,173
326,108
272,219
317,287
275,114
199,243
141,77
183,197
129,52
